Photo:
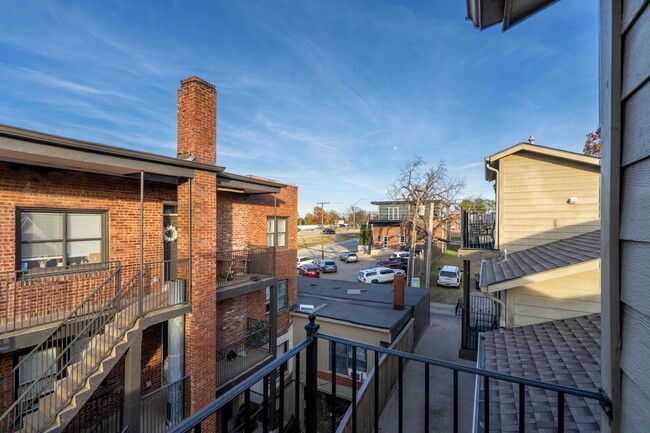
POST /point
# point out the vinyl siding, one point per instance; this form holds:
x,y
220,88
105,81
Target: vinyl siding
x,y
635,218
559,298
533,194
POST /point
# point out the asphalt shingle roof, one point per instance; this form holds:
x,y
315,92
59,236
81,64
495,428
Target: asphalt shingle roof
x,y
554,255
564,352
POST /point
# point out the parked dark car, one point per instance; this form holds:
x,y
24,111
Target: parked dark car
x,y
309,270
349,257
327,265
329,231
398,263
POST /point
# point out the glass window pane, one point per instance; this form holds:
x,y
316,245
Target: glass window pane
x,y
84,226
269,239
84,252
41,255
269,225
282,239
41,226
282,225
282,295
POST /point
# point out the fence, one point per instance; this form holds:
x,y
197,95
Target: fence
x,y
477,230
165,407
389,369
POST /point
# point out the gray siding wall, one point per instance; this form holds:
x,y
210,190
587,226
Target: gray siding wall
x,y
635,217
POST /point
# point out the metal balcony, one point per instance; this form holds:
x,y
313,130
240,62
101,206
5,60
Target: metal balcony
x,y
477,230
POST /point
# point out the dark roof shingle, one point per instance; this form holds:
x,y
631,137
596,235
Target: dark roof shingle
x,y
563,352
554,255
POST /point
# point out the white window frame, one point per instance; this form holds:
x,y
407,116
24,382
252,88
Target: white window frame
x,y
393,213
385,242
282,236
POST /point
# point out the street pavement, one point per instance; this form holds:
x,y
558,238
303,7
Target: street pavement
x,y
441,341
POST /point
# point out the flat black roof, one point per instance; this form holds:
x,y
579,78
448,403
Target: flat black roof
x,y
373,307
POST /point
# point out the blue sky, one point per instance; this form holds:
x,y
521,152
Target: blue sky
x,y
334,96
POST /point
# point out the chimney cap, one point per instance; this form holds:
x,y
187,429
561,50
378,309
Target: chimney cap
x,y
531,139
198,80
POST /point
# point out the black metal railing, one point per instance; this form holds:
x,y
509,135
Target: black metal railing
x,y
309,395
477,230
239,356
484,315
165,407
240,266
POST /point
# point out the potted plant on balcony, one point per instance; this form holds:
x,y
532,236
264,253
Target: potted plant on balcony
x,y
256,335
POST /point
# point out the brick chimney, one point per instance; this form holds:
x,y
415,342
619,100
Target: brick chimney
x,y
398,292
197,134
197,121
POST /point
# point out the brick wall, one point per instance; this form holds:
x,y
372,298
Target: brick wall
x,y
152,359
105,402
241,222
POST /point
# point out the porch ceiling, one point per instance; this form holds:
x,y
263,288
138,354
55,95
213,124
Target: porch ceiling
x,y
486,13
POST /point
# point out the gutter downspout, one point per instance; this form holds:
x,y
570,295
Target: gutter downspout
x,y
141,281
497,245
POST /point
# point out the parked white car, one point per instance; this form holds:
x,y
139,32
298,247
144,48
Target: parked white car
x,y
449,276
396,254
303,261
378,275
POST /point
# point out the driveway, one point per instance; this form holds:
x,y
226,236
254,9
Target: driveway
x,y
441,341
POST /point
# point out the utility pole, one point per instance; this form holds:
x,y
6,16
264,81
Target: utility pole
x,y
411,265
322,228
429,240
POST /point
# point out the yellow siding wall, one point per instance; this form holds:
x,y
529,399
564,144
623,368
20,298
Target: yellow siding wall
x,y
533,194
559,298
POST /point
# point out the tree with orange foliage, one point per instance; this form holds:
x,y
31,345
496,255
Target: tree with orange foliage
x,y
592,144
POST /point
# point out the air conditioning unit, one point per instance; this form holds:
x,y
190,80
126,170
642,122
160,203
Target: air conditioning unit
x,y
361,375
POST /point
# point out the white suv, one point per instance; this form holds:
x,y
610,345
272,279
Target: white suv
x,y
378,275
303,261
449,276
399,254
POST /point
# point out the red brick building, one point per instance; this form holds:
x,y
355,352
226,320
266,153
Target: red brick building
x,y
390,228
135,287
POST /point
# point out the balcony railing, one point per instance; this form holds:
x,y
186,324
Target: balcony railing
x,y
165,407
43,296
37,297
477,230
483,315
311,413
241,266
239,356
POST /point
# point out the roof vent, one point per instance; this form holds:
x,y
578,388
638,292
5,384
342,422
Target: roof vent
x,y
531,139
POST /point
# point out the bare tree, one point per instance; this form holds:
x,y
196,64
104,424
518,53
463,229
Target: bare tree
x,y
419,186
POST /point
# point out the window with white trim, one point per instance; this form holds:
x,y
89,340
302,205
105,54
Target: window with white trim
x,y
283,296
393,213
49,239
282,223
385,241
402,240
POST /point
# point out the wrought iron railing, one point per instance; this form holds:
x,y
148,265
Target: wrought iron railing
x,y
478,230
52,373
240,355
240,266
309,396
165,407
42,296
484,315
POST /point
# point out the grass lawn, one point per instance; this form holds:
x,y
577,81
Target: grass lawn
x,y
312,241
448,295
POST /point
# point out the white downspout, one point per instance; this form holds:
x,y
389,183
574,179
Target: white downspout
x,y
497,245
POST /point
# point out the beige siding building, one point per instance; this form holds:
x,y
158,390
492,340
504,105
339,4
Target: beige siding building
x,y
543,195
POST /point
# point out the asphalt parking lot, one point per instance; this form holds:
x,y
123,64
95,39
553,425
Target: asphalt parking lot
x,y
348,271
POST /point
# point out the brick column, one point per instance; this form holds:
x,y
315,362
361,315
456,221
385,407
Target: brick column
x,y
197,141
